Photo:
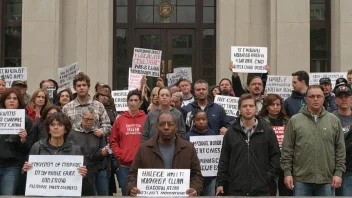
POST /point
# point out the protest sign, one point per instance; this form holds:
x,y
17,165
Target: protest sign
x,y
208,151
281,85
12,121
249,59
146,61
66,75
184,73
163,182
11,74
172,78
314,77
279,131
120,99
51,90
54,175
229,103
134,80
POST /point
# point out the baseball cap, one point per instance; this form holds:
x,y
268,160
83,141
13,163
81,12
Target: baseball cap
x,y
343,89
324,80
340,81
19,82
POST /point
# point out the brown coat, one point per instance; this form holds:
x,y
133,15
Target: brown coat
x,y
149,157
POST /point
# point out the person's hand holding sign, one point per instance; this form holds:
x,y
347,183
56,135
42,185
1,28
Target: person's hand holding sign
x,y
191,192
23,135
83,171
104,151
134,191
26,167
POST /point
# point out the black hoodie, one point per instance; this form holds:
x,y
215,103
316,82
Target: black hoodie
x,y
294,103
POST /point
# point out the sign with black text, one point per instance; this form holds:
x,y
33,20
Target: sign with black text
x,y
315,77
249,59
11,74
146,61
12,121
66,76
120,99
54,175
281,85
51,90
208,149
229,103
163,182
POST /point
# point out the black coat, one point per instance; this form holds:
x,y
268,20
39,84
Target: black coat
x,y
246,167
348,144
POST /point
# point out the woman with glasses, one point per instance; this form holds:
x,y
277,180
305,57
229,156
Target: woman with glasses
x,y
13,148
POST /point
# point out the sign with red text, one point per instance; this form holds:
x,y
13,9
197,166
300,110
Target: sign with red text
x,y
12,121
134,80
315,77
281,85
54,175
229,103
208,148
163,182
279,131
146,61
249,59
10,74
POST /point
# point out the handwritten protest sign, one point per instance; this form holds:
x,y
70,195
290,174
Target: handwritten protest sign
x,y
54,175
146,61
314,77
51,90
163,182
66,75
120,99
184,73
249,59
279,131
134,80
229,103
172,78
11,74
12,121
208,151
281,85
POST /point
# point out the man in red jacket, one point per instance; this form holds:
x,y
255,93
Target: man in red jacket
x,y
126,136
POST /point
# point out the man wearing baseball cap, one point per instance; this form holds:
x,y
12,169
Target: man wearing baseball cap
x,y
22,86
329,102
344,113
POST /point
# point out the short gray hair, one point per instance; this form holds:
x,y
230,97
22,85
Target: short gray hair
x,y
178,95
87,110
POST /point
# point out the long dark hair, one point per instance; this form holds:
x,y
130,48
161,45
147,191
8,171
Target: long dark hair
x,y
268,101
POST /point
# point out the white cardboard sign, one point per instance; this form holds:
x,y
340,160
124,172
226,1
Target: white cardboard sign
x,y
315,77
66,76
134,80
281,85
11,74
12,121
249,59
54,175
163,182
208,149
120,99
229,103
146,61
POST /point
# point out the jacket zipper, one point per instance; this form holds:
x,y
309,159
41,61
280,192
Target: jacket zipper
x,y
248,185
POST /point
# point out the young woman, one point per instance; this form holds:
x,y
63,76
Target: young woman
x,y
214,90
13,148
274,114
63,97
38,101
200,128
58,127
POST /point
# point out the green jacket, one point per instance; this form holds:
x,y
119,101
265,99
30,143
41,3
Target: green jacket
x,y
313,151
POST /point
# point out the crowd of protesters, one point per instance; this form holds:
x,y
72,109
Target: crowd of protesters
x,y
315,158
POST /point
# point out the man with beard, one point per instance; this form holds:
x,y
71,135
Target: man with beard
x,y
250,154
218,121
225,87
167,150
329,102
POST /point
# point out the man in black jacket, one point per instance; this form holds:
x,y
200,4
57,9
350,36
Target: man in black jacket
x,y
250,155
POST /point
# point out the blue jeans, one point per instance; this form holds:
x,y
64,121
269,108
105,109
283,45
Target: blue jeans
x,y
9,178
209,186
346,187
122,174
308,189
102,183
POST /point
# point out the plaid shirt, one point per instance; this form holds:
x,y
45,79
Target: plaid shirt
x,y
250,131
74,110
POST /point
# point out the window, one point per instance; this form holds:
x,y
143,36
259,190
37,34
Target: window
x,y
11,33
320,36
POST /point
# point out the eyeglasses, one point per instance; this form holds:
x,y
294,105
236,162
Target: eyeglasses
x,y
312,97
88,120
56,125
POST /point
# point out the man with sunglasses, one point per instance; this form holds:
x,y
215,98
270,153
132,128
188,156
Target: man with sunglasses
x,y
313,151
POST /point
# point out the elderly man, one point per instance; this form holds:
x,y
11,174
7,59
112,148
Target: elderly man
x,y
166,150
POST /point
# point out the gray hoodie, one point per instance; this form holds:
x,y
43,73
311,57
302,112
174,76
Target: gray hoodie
x,y
149,128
